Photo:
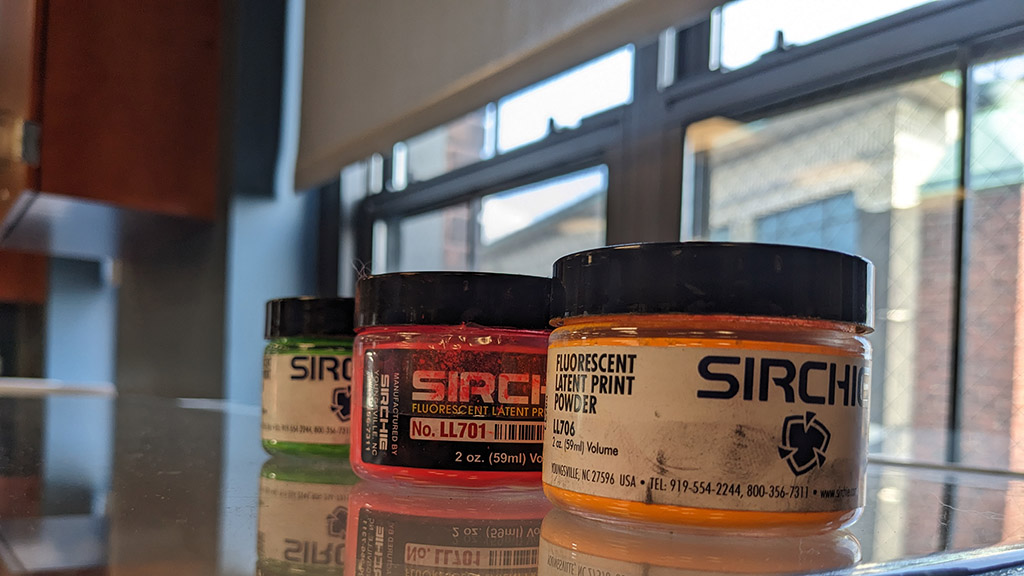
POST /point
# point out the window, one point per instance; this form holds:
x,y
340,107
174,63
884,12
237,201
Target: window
x,y
855,175
565,100
525,117
751,29
830,223
521,230
459,143
992,371
436,240
524,230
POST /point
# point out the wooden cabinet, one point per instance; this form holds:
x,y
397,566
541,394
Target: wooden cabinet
x,y
123,98
129,103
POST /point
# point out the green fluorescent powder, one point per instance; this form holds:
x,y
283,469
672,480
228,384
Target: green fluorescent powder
x,y
307,377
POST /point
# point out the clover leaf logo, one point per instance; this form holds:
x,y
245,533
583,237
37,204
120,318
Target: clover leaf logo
x,y
341,403
336,522
804,442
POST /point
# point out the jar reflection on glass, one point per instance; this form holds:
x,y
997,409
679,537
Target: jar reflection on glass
x,y
454,532
303,515
572,545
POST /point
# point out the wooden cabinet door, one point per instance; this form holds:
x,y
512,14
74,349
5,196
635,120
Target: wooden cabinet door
x,y
130,99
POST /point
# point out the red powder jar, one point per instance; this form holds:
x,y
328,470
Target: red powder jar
x,y
449,378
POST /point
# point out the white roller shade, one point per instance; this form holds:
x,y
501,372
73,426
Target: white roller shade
x,y
379,71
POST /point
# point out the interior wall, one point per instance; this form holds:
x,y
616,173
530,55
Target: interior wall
x,y
170,316
81,321
80,337
271,236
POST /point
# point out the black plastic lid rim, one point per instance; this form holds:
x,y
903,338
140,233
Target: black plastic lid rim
x,y
720,278
311,317
453,298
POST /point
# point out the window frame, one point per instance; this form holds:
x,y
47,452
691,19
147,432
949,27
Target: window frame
x,y
560,153
642,141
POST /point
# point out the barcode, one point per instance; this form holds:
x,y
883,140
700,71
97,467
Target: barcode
x,y
473,430
529,432
514,557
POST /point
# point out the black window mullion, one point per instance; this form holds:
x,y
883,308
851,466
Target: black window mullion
x,y
693,51
954,417
363,238
645,203
328,241
473,233
960,251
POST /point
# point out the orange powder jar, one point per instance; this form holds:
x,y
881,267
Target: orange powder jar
x,y
711,384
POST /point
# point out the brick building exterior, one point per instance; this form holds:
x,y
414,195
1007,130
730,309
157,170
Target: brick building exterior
x,y
878,174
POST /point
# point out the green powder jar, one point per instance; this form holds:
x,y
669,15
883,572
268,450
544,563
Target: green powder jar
x,y
303,516
307,376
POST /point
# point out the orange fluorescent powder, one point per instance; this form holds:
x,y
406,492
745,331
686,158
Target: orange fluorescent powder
x,y
710,384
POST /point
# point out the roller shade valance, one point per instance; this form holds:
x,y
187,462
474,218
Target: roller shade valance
x,y
375,72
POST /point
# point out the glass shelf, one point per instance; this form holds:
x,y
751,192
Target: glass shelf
x,y
137,485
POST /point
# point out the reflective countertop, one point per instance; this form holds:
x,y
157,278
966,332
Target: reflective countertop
x,y
96,484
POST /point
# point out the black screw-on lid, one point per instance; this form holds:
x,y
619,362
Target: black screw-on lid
x,y
715,278
452,298
309,316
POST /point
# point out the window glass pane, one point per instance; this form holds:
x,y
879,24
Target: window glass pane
x,y
863,175
566,99
524,230
354,179
435,240
749,27
992,400
456,144
379,258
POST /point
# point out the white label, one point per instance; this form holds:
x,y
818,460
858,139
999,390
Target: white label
x,y
723,428
307,398
302,523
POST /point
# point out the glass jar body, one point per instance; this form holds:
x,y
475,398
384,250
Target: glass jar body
x,y
306,396
451,404
723,387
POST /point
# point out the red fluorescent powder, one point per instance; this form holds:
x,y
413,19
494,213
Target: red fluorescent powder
x,y
456,405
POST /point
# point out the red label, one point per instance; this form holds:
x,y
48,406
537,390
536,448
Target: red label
x,y
453,410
